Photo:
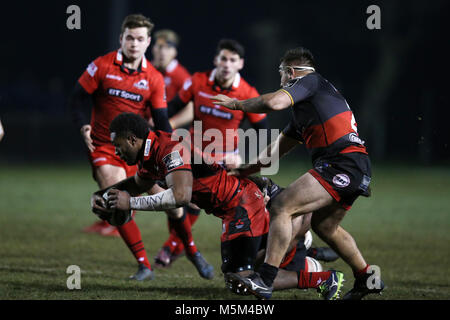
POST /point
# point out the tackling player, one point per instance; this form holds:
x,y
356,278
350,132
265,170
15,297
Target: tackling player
x,y
323,121
237,201
122,80
217,123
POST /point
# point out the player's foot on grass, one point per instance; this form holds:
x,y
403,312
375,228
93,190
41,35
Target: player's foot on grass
x,y
143,273
253,284
324,254
162,259
95,227
330,288
234,285
361,288
204,269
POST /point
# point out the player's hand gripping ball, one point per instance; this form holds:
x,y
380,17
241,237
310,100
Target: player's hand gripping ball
x,y
117,217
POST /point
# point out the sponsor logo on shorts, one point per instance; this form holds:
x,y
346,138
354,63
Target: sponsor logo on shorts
x,y
173,160
99,159
353,137
125,94
141,84
341,180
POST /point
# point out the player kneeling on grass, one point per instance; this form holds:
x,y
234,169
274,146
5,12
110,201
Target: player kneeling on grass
x,y
297,269
237,201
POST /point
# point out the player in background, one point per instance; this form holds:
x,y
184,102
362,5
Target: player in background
x,y
193,103
165,53
2,131
237,201
122,80
323,121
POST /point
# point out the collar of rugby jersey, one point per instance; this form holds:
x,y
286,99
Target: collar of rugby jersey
x,y
119,61
234,86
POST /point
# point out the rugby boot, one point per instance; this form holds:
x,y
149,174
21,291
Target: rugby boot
x,y
361,288
253,283
330,288
204,269
234,285
143,273
324,254
163,258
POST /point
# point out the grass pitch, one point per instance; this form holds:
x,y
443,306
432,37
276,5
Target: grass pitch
x,y
403,228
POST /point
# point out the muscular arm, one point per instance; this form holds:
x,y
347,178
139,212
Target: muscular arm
x,y
265,103
178,194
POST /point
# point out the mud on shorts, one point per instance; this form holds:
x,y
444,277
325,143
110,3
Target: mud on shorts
x,y
345,176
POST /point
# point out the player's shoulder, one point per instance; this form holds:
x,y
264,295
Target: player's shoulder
x,y
152,73
106,59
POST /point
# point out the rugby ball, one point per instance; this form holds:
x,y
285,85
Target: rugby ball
x,y
117,217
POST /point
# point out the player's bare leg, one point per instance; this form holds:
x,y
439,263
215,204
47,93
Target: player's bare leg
x,y
303,196
325,223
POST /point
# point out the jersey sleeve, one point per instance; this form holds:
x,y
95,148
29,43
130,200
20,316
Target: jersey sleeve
x,y
254,117
301,89
158,94
186,92
92,76
176,157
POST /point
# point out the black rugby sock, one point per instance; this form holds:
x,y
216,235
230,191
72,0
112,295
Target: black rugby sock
x,y
268,273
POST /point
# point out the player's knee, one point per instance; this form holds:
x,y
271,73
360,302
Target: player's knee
x,y
323,230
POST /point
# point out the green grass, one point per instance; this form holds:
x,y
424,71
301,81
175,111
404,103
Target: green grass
x,y
403,228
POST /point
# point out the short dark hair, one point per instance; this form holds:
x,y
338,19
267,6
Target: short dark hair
x,y
170,36
129,122
300,55
232,45
133,21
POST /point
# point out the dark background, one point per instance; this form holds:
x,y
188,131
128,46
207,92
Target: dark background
x,y
394,79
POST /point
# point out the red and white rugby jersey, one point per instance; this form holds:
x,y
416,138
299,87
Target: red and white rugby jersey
x,y
115,90
200,88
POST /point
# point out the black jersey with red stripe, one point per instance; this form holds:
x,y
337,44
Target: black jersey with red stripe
x,y
212,187
321,117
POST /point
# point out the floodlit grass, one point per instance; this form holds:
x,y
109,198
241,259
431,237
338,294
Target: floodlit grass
x,y
403,228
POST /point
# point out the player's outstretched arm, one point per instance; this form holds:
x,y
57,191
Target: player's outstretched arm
x,y
178,194
265,103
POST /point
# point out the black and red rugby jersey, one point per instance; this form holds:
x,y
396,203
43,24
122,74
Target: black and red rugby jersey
x,y
321,117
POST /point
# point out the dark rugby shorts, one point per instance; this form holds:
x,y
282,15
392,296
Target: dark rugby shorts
x,y
345,176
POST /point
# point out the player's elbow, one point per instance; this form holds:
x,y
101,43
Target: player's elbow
x,y
182,196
